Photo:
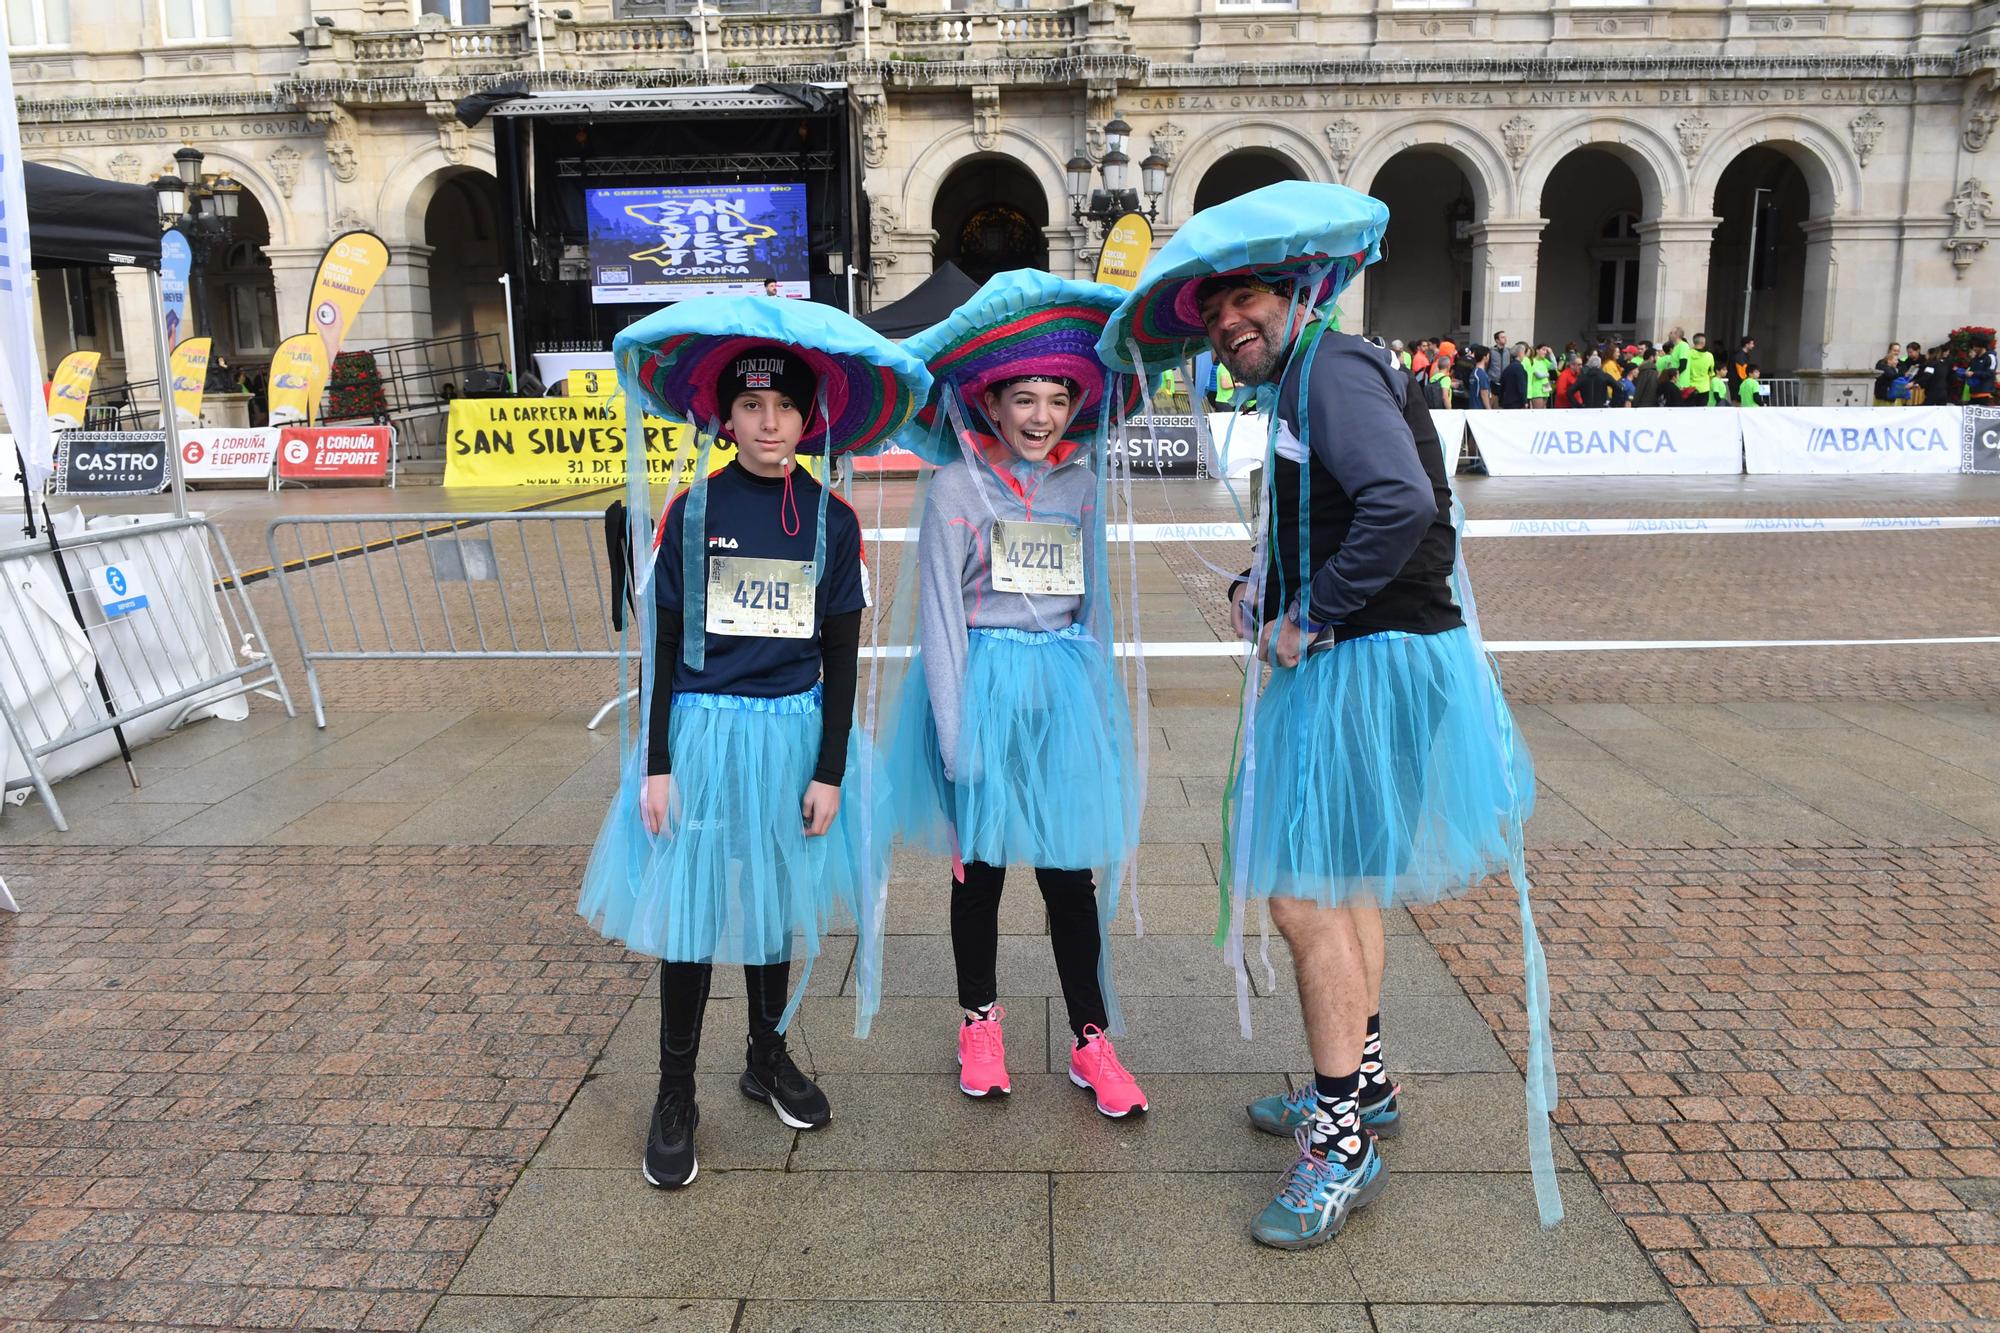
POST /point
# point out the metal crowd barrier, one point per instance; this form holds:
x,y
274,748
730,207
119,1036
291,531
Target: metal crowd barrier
x,y
86,663
443,588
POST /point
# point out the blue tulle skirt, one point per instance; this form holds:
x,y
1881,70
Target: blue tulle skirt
x,y
1046,775
733,878
1385,768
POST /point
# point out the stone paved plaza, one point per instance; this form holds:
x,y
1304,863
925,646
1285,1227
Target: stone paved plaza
x,y
304,1031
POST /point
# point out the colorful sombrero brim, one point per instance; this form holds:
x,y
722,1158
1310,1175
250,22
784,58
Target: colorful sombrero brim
x,y
672,360
1022,322
1282,232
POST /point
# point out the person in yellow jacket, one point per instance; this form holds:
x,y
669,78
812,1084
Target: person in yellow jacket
x,y
1541,368
1700,377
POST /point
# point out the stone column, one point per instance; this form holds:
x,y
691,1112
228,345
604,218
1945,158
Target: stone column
x,y
1844,319
1673,274
1505,249
292,269
136,316
1073,250
399,309
42,363
1350,308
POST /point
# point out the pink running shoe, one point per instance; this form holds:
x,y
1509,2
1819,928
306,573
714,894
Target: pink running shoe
x,y
1096,1067
982,1056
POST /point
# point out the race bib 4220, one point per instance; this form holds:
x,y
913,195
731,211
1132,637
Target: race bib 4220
x,y
1038,558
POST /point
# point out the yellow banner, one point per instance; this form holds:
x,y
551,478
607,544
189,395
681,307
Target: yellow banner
x,y
70,389
189,364
299,370
348,271
1125,251
557,442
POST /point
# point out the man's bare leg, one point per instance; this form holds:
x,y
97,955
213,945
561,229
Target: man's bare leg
x,y
1367,919
1329,959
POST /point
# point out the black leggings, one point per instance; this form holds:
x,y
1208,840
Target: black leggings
x,y
1071,899
684,1001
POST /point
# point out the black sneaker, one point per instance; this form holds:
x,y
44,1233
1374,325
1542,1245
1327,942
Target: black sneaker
x,y
772,1078
670,1160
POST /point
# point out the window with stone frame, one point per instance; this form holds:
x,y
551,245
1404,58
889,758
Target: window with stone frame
x,y
195,20
458,13
37,23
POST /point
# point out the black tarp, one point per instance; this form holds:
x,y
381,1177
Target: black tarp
x,y
944,291
81,220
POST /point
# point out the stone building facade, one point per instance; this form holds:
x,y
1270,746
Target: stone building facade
x,y
1819,172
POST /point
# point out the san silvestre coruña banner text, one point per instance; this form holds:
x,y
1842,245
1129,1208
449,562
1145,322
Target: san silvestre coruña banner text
x,y
559,442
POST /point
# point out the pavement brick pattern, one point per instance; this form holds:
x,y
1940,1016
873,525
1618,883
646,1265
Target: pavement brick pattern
x,y
1781,1066
273,1087
267,1087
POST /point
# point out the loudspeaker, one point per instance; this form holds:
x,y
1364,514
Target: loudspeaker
x,y
484,384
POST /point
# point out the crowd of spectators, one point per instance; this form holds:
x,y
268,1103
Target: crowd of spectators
x,y
1679,371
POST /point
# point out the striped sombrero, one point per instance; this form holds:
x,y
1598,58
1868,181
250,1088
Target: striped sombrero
x,y
1281,233
671,361
1022,322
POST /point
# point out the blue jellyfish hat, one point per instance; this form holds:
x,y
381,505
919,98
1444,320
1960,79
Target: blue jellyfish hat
x,y
1284,232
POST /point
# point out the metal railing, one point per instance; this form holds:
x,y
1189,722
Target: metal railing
x,y
443,587
1784,392
133,405
82,666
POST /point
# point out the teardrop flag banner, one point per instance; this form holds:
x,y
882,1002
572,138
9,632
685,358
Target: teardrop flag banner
x,y
189,366
1126,250
70,389
353,263
299,371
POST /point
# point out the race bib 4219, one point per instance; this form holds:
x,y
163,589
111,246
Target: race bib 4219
x,y
760,599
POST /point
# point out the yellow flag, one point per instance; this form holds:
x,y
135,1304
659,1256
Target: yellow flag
x,y
1125,251
189,365
348,271
299,371
70,389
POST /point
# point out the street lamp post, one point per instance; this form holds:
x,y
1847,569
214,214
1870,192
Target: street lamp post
x,y
1116,198
203,209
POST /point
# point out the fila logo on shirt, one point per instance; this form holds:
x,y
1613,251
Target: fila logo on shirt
x,y
722,543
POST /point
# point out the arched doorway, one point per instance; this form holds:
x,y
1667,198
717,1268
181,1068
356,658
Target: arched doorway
x,y
989,217
462,229
242,302
1240,172
1588,273
1422,286
1760,286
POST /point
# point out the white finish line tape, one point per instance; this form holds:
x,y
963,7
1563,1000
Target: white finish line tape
x,y
1217,648
1558,527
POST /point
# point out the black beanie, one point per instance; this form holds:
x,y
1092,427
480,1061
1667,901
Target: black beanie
x,y
768,366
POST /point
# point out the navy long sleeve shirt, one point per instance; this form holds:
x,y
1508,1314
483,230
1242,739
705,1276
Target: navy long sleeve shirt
x,y
1382,542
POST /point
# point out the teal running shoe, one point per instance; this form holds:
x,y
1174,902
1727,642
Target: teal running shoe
x,y
1283,1113
1316,1197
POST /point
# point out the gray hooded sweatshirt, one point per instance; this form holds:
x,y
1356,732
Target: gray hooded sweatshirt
x,y
954,548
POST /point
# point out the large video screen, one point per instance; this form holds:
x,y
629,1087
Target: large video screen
x,y
669,242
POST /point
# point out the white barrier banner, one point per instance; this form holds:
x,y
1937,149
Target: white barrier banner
x,y
1450,425
1609,442
228,453
1241,439
1851,439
